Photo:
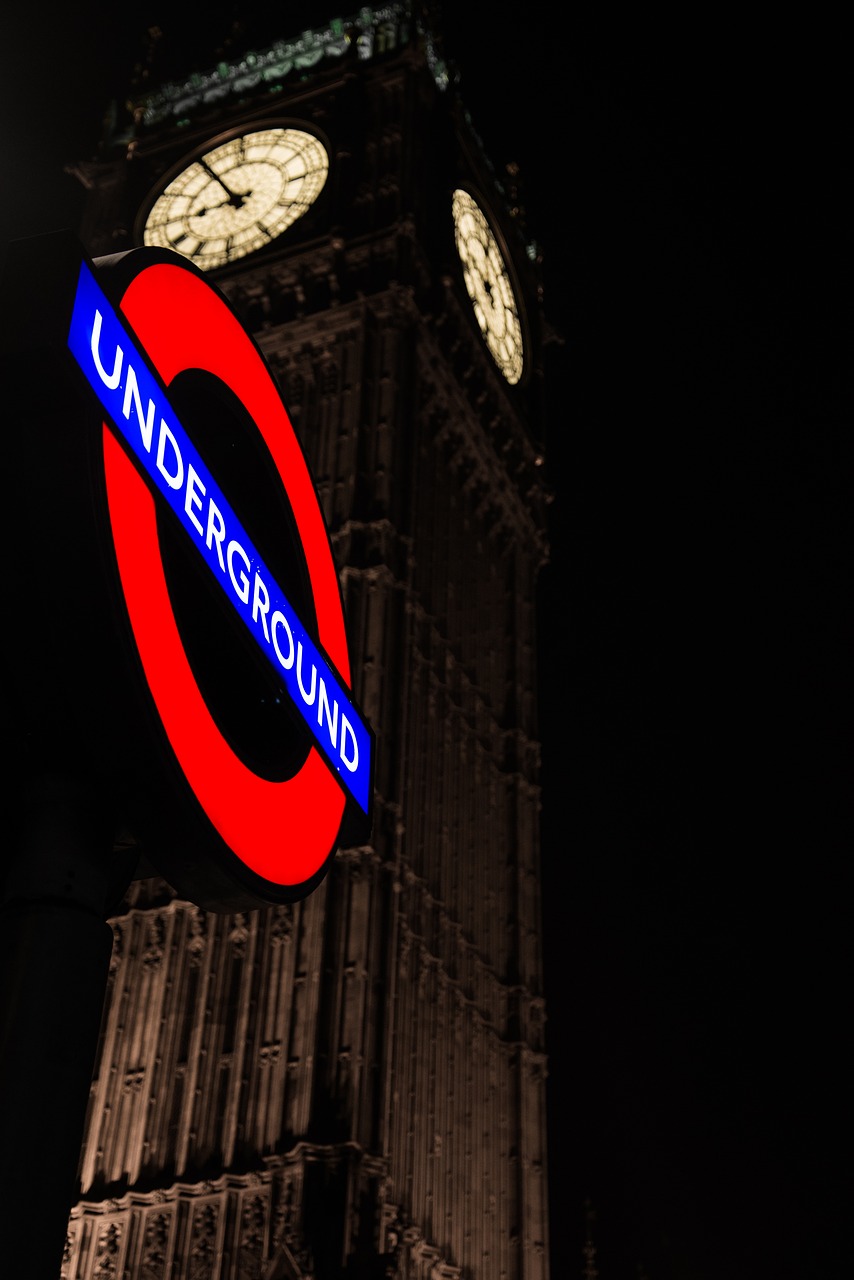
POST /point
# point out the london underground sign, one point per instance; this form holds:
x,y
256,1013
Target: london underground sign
x,y
139,409
168,321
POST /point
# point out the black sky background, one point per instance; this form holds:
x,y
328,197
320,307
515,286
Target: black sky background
x,y
687,181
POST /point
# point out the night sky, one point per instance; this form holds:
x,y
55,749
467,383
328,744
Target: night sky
x,y
687,182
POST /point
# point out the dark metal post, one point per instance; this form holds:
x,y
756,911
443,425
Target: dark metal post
x,y
61,880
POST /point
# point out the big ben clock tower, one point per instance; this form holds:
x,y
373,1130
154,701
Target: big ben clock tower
x,y
352,1085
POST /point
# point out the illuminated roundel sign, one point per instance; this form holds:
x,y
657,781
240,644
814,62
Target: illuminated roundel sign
x,y
280,831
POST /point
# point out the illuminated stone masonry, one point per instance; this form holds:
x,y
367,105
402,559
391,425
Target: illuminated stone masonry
x,y
236,1227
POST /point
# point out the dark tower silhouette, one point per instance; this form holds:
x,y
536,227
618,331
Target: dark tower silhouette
x,y
354,1085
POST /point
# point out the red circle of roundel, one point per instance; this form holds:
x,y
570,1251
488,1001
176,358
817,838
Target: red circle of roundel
x,y
182,323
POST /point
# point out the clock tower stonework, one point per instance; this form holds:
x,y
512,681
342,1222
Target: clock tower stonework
x,y
353,1085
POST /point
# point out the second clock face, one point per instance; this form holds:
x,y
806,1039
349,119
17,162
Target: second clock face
x,y
238,196
488,284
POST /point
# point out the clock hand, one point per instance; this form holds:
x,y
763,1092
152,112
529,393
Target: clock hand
x,y
234,199
211,208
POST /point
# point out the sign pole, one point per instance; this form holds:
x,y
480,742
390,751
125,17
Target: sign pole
x,y
62,880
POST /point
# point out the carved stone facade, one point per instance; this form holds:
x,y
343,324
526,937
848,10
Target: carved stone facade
x,y
355,1085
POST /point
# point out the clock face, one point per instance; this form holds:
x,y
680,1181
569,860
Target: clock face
x,y
488,284
238,196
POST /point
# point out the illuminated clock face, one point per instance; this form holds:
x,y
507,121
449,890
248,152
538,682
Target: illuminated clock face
x,y
488,284
238,196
